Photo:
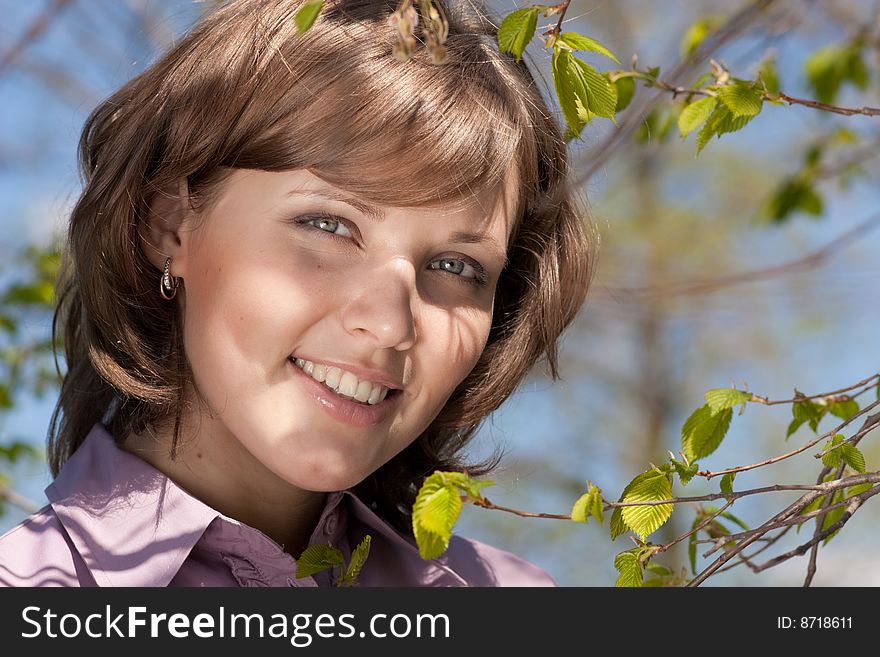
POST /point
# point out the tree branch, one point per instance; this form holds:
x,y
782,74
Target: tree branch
x,y
846,111
806,263
627,125
17,500
869,424
39,25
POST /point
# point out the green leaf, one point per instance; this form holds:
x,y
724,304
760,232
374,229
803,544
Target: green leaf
x,y
852,491
580,512
358,559
844,409
727,482
580,42
307,14
695,114
703,432
830,67
812,506
617,526
808,411
437,507
18,450
435,511
741,99
601,95
856,70
590,503
8,323
316,558
658,569
796,194
793,426
576,114
41,293
517,29
596,509
5,397
832,516
630,569
685,472
720,122
649,486
471,487
626,88
720,399
769,75
697,33
733,518
582,91
832,458
821,69
853,457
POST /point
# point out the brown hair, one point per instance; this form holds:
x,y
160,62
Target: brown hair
x,y
242,90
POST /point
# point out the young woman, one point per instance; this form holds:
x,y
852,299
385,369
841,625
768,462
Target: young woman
x,y
301,272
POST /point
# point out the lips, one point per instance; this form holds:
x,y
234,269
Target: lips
x,y
343,382
343,409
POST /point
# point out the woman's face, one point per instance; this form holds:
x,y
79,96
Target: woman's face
x,y
286,283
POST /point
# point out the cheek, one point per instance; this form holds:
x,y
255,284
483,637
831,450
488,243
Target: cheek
x,y
458,340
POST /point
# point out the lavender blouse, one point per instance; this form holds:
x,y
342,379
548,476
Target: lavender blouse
x,y
114,520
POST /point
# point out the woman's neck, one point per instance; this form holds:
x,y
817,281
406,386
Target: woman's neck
x,y
213,466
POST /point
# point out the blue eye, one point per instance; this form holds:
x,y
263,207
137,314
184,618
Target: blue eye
x,y
329,224
472,274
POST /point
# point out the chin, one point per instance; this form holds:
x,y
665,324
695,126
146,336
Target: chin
x,y
325,479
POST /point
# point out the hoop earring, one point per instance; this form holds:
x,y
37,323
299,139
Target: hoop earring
x,y
168,283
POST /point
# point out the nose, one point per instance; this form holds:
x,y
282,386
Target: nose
x,y
381,309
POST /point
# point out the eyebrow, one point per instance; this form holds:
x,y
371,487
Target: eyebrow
x,y
370,211
375,214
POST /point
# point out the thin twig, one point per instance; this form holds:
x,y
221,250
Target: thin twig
x,y
792,509
678,90
806,263
855,503
18,500
33,32
486,504
828,434
563,8
598,157
814,552
799,520
746,559
703,524
846,111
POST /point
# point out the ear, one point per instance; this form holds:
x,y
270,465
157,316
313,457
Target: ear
x,y
162,233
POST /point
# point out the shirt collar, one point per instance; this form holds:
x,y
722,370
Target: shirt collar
x,y
133,526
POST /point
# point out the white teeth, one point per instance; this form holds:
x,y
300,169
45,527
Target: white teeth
x,y
348,384
374,395
363,391
344,383
331,379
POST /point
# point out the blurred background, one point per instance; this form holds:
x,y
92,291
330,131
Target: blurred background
x,y
754,265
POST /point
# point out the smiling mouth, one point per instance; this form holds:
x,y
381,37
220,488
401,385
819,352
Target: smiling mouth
x,y
345,385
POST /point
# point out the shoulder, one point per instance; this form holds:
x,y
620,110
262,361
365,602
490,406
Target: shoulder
x,y
483,565
38,552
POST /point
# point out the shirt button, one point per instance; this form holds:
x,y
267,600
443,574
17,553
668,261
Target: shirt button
x,y
330,525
